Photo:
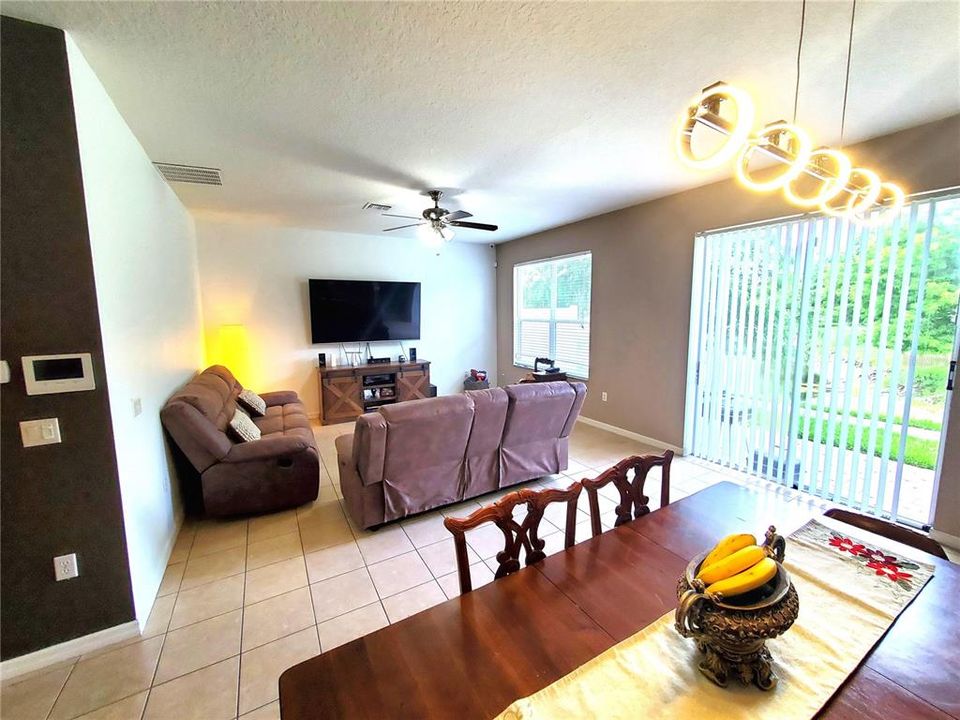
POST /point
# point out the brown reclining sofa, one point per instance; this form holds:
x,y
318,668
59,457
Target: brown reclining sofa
x,y
417,455
280,470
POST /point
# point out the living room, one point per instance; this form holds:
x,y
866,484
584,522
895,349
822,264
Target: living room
x,y
190,185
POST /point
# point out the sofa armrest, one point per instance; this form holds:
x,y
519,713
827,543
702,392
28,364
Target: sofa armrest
x,y
266,448
370,447
280,397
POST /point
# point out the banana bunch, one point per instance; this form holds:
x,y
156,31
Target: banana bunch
x,y
736,565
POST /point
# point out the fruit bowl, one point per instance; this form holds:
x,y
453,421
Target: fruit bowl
x,y
731,630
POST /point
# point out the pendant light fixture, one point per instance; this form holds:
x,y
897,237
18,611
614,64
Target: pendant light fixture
x,y
839,189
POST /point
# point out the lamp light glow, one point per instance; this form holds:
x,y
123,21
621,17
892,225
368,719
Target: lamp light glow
x,y
707,100
799,146
233,350
891,206
867,194
832,185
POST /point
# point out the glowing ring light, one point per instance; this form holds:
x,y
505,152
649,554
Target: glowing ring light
x,y
735,139
889,209
830,187
853,206
800,147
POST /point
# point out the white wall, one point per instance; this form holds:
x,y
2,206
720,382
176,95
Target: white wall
x,y
145,266
256,275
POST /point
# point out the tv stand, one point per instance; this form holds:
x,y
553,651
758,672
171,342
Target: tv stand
x,y
348,392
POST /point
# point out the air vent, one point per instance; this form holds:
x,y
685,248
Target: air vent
x,y
379,207
189,174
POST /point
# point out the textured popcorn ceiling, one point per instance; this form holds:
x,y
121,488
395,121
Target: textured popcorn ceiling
x,y
540,114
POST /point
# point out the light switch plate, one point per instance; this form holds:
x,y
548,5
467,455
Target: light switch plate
x,y
40,432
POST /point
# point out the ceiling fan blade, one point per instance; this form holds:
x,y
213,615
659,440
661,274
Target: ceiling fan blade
x,y
472,225
405,217
401,227
457,215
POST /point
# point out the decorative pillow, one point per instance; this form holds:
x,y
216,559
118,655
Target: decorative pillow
x,y
243,428
253,403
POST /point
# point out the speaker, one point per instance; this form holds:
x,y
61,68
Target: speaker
x,y
322,359
413,354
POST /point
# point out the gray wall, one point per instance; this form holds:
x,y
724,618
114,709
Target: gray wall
x,y
642,267
64,498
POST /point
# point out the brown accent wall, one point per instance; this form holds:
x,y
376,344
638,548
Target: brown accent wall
x,y
63,498
642,268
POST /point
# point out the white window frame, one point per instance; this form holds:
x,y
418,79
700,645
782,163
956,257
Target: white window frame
x,y
553,321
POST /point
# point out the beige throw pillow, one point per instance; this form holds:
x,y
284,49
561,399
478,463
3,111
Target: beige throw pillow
x,y
242,427
252,402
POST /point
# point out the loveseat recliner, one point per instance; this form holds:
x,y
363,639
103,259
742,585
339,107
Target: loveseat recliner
x,y
413,456
279,471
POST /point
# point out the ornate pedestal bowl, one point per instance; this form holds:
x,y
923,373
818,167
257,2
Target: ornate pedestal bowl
x,y
732,632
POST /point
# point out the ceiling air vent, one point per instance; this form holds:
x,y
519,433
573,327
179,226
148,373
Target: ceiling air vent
x,y
379,207
189,174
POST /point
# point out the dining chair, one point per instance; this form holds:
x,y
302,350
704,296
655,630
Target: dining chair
x,y
633,503
889,530
516,535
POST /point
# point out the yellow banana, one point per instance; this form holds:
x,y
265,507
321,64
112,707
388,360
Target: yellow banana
x,y
729,545
748,580
732,564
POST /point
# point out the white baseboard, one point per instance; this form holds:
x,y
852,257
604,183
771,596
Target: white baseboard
x,y
951,541
630,434
67,650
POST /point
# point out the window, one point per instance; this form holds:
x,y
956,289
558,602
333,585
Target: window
x,y
551,316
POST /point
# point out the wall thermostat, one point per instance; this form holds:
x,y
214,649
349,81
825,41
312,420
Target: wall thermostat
x,y
49,374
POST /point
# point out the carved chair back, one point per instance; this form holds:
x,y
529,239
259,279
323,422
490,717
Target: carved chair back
x,y
517,535
633,503
889,530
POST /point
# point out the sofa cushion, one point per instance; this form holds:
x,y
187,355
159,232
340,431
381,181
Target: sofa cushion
x,y
242,427
481,472
424,453
252,403
537,414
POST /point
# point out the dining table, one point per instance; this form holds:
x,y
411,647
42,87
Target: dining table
x,y
474,655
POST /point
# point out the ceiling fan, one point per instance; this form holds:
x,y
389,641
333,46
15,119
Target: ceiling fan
x,y
440,220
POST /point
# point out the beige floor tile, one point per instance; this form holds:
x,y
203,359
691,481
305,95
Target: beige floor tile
x,y
412,601
219,535
320,512
480,575
267,712
341,594
399,573
261,667
275,579
486,540
332,561
441,557
426,529
460,510
318,534
384,543
107,678
171,579
199,645
181,548
268,526
206,601
130,708
215,566
207,694
159,618
354,624
274,549
277,617
31,698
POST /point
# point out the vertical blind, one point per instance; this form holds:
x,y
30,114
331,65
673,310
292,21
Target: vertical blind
x,y
552,312
804,343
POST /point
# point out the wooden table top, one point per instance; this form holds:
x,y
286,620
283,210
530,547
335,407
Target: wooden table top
x,y
472,656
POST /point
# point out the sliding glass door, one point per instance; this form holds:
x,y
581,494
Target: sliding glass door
x,y
819,353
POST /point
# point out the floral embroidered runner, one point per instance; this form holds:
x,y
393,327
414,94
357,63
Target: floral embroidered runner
x,y
850,593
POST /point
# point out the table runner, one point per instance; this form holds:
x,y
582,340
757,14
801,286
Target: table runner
x,y
850,593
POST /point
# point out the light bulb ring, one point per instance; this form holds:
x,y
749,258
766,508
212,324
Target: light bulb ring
x,y
831,186
889,208
706,101
800,146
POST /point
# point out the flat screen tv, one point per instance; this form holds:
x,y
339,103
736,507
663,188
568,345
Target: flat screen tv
x,y
364,310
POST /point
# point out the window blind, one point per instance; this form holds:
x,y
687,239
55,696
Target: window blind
x,y
552,312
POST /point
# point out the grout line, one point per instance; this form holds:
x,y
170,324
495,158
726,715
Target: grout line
x,y
62,686
243,605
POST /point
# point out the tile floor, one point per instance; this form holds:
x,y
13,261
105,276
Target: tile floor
x,y
243,600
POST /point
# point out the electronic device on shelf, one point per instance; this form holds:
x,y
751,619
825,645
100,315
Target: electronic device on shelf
x,y
551,368
413,354
378,361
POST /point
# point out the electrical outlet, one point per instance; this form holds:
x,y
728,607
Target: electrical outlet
x,y
603,396
137,407
65,567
